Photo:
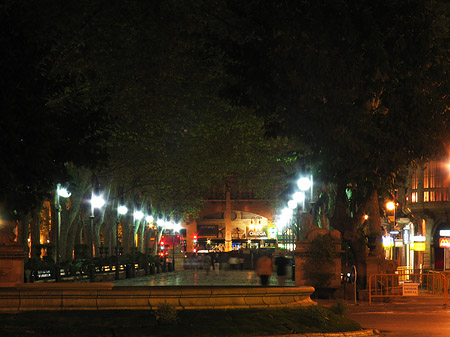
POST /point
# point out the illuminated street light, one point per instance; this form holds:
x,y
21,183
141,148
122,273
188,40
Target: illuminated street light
x,y
160,222
121,210
304,184
390,205
63,192
149,218
299,197
60,192
177,227
292,204
138,215
96,202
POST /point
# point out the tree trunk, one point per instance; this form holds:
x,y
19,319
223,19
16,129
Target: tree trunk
x,y
375,230
35,224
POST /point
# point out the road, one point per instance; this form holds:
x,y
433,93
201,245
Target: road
x,y
413,317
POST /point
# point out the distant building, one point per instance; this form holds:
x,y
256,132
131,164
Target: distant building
x,y
424,212
232,219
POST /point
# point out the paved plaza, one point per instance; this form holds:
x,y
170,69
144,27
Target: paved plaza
x,y
200,278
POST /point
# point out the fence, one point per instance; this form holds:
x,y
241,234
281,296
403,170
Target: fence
x,y
404,283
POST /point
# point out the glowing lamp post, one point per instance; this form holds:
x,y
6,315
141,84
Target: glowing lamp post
x,y
60,192
137,217
121,210
304,184
390,206
96,202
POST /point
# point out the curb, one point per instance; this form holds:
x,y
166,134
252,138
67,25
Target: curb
x,y
359,333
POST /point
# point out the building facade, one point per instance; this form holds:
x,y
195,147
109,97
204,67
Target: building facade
x,y
425,212
232,219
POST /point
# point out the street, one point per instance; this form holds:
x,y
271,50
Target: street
x,y
404,317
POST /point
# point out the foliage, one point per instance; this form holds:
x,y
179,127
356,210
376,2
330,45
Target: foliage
x,y
152,259
320,259
166,314
340,307
256,322
323,250
364,85
48,121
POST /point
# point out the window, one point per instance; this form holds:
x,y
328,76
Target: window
x,y
434,182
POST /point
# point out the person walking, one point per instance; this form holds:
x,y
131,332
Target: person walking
x,y
216,264
233,262
207,264
264,269
281,262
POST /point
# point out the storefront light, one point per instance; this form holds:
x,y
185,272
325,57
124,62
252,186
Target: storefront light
x,y
444,232
388,241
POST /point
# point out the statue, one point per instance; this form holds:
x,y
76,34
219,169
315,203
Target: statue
x,y
310,231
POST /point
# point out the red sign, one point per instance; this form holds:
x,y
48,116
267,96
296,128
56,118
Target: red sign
x,y
444,242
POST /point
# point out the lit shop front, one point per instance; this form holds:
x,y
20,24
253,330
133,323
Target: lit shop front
x,y
443,262
211,237
405,248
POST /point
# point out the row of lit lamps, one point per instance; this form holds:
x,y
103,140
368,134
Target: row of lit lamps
x,y
298,197
97,202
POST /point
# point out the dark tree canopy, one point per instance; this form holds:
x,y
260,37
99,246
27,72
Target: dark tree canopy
x,y
364,84
46,121
130,85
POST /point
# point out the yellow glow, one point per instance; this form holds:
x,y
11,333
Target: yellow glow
x,y
208,241
418,246
387,241
390,205
366,217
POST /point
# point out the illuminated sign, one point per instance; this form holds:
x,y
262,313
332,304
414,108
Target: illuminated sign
x,y
388,241
419,238
444,232
418,246
398,243
272,233
444,242
406,236
256,234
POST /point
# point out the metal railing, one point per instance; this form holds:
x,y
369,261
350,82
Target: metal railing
x,y
404,283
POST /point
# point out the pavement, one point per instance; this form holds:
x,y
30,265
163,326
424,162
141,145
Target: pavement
x,y
199,277
399,316
422,316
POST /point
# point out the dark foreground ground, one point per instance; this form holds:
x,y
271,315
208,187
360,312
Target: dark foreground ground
x,y
166,322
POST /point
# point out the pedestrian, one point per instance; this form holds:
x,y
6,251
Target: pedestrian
x,y
207,263
281,263
264,269
241,262
216,264
233,262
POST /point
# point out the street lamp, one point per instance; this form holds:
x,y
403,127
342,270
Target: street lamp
x,y
60,192
137,216
304,184
96,202
121,210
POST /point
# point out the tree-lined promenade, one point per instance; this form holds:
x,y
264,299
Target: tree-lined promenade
x,y
152,104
